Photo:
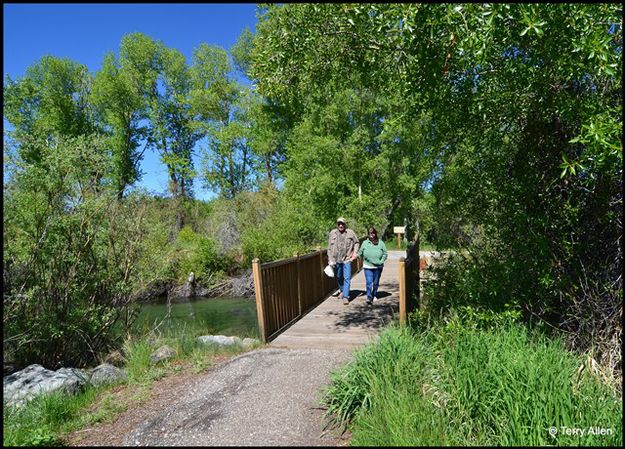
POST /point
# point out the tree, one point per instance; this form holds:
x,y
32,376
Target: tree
x,y
268,133
223,106
242,51
355,156
173,122
50,100
523,110
269,121
118,93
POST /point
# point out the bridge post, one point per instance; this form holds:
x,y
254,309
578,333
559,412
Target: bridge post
x,y
417,268
402,292
321,266
299,285
258,288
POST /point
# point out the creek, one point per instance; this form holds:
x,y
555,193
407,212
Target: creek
x,y
201,316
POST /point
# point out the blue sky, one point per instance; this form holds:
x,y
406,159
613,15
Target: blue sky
x,y
84,33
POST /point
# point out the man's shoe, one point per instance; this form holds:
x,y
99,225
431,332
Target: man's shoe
x,y
375,298
369,301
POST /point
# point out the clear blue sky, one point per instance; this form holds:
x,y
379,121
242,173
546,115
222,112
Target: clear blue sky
x,y
85,32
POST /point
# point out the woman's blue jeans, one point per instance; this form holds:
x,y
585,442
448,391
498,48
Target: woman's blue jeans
x,y
343,273
372,277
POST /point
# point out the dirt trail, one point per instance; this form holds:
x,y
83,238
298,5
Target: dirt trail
x,y
266,397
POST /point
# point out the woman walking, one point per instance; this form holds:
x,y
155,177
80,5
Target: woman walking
x,y
374,253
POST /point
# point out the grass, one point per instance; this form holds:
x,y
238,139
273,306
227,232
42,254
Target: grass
x,y
40,421
48,419
449,385
391,244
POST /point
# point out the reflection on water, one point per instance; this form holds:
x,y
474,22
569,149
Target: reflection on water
x,y
201,316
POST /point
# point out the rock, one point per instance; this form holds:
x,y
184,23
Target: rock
x,y
106,374
182,291
35,380
161,354
114,358
220,340
202,291
249,343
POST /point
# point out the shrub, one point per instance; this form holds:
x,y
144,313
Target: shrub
x,y
70,249
196,253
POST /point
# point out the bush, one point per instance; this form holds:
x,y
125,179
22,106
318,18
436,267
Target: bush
x,y
70,249
195,253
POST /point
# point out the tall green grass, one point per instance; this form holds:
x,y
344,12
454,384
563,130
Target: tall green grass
x,y
41,421
449,385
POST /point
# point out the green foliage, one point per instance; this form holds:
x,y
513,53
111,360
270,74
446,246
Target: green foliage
x,y
242,49
168,256
195,253
119,99
51,99
454,385
355,157
286,230
153,265
68,264
229,163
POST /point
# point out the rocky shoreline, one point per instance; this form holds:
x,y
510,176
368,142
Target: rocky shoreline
x,y
240,285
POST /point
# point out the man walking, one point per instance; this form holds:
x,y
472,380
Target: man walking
x,y
343,248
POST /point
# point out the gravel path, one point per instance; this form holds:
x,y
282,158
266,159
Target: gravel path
x,y
266,397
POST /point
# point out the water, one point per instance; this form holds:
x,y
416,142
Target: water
x,y
201,316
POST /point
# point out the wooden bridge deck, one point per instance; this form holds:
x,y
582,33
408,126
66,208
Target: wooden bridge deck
x,y
332,325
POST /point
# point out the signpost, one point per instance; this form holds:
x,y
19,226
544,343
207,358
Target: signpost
x,y
399,230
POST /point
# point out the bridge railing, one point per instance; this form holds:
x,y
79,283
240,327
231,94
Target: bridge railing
x,y
409,282
287,289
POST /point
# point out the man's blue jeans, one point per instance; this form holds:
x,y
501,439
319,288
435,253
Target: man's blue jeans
x,y
343,272
372,277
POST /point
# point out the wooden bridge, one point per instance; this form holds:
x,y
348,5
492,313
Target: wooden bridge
x,y
298,308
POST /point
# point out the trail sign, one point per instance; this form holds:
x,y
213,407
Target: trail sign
x,y
399,230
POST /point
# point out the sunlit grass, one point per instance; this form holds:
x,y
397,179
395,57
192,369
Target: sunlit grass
x,y
443,386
